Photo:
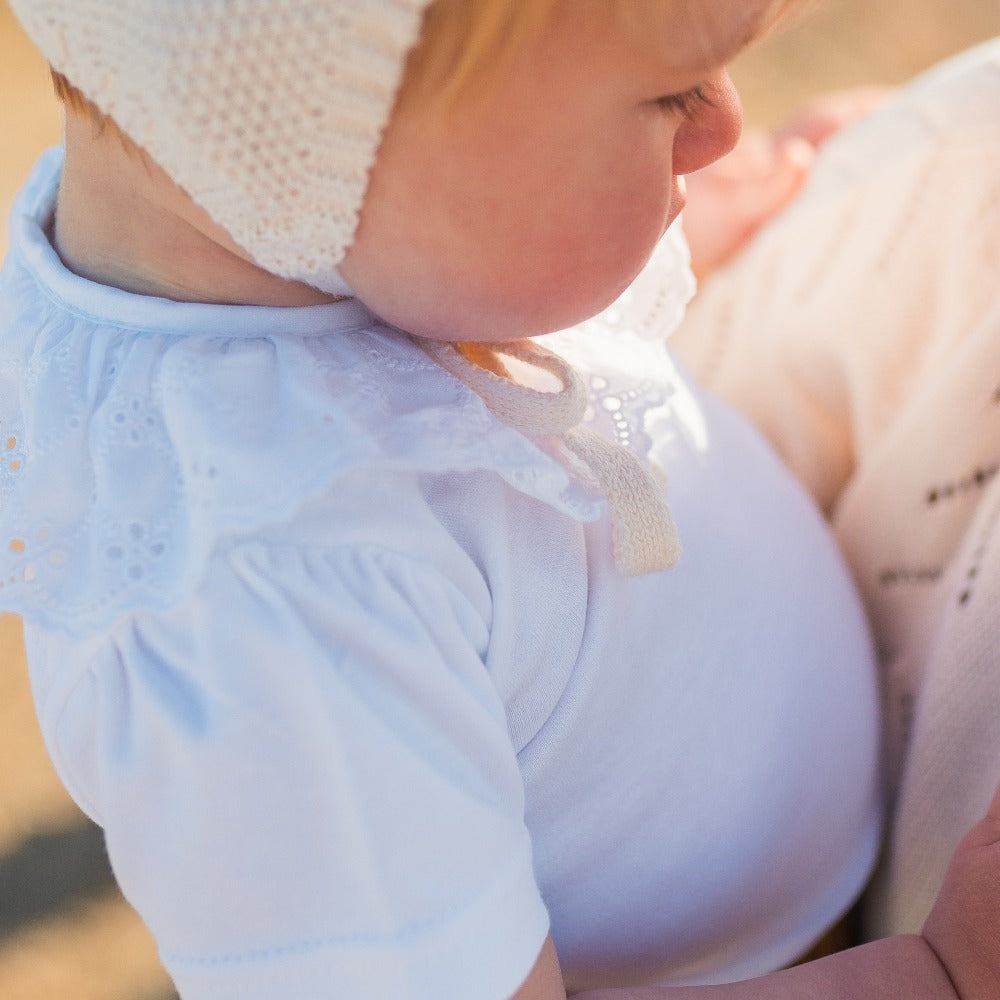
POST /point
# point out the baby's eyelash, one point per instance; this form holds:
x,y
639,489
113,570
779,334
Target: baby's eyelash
x,y
688,102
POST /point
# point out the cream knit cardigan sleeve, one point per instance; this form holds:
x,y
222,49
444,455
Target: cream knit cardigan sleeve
x,y
861,331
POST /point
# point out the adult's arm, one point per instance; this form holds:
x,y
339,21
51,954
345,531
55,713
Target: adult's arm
x,y
956,957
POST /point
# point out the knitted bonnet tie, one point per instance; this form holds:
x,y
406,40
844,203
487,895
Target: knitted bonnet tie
x,y
643,532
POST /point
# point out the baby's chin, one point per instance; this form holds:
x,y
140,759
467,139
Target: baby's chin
x,y
480,305
500,322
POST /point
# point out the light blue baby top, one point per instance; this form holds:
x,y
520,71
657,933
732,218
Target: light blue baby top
x,y
344,666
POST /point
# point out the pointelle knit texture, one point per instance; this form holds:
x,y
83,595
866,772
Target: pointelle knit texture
x,y
268,113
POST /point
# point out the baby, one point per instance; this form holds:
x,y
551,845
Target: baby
x,y
358,618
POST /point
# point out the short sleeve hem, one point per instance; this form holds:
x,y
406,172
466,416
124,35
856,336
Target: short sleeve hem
x,y
482,951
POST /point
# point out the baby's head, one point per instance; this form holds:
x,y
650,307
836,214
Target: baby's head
x,y
474,169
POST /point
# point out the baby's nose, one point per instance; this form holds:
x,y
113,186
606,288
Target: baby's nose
x,y
713,131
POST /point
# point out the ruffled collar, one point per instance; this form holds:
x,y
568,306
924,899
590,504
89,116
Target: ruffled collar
x,y
137,432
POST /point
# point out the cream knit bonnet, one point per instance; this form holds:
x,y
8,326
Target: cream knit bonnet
x,y
268,113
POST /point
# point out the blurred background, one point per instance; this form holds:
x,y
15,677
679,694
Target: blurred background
x,y
65,932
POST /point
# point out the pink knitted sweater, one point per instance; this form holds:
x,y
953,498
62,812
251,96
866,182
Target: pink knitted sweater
x,y
861,331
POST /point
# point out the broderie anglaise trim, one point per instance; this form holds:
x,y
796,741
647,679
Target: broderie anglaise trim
x,y
633,381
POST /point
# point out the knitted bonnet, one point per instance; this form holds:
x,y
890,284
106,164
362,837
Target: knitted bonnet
x,y
268,113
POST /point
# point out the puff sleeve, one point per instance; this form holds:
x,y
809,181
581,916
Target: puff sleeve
x,y
307,782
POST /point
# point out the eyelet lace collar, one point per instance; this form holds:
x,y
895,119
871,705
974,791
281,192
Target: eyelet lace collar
x,y
127,451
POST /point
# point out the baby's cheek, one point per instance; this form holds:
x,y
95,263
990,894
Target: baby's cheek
x,y
631,228
597,265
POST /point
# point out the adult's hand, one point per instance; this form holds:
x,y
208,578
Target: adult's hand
x,y
731,199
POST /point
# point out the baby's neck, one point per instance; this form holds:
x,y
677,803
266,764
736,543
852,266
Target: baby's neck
x,y
122,222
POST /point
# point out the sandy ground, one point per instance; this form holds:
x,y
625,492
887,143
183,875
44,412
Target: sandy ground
x,y
65,933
